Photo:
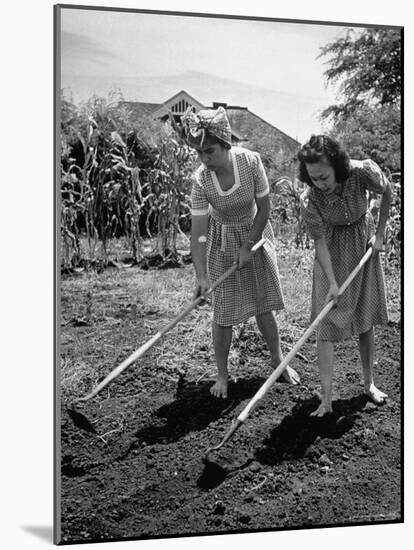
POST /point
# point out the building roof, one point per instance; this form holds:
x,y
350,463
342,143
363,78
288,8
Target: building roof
x,y
243,122
248,122
140,107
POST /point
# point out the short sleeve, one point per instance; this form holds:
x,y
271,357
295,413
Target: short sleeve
x,y
312,216
261,185
199,202
372,177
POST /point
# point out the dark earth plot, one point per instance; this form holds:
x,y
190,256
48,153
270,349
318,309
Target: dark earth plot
x,y
133,458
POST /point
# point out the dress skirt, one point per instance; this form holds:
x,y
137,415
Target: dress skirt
x,y
252,290
363,303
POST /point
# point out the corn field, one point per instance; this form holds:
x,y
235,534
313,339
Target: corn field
x,y
128,176
120,178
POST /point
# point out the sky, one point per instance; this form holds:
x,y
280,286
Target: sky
x,y
130,44
280,57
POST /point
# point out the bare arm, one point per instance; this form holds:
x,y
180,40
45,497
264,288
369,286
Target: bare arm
x,y
255,233
199,225
261,218
324,258
383,217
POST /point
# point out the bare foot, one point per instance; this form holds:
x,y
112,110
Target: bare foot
x,y
290,376
219,389
322,410
377,396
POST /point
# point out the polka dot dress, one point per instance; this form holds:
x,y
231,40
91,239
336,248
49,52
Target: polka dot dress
x,y
348,226
255,288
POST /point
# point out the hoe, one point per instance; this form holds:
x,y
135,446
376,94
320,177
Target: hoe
x,y
82,421
278,371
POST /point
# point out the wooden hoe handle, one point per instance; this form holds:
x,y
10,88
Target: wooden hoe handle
x,y
145,347
278,371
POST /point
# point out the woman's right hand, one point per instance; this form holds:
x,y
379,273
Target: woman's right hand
x,y
333,293
202,285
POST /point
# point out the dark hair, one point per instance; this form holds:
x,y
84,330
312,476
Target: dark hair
x,y
324,147
211,138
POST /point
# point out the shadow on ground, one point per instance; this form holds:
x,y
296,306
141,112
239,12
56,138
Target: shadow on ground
x,y
297,432
193,410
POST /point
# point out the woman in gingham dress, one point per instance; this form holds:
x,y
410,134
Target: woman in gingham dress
x,y
230,213
335,209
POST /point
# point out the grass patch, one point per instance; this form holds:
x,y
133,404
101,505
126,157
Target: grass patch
x,y
106,316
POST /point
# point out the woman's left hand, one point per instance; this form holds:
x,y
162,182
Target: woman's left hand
x,y
244,255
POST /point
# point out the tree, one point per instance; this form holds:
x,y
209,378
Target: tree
x,y
277,159
367,67
372,133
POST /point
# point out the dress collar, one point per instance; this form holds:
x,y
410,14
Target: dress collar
x,y
236,176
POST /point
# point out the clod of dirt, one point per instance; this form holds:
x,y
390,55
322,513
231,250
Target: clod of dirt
x,y
244,517
324,460
370,406
255,467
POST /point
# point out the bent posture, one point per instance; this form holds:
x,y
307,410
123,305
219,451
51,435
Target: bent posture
x,y
335,208
230,213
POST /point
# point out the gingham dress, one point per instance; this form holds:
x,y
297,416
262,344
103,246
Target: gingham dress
x,y
347,225
254,289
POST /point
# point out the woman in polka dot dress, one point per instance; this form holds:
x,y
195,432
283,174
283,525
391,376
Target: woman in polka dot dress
x,y
230,213
335,208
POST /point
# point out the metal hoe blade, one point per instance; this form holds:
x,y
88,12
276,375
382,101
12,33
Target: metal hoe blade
x,y
236,425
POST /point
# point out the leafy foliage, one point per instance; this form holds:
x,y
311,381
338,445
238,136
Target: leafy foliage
x,y
286,209
277,160
372,133
119,177
393,229
367,66
280,166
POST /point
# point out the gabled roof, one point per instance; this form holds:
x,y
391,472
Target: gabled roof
x,y
178,104
242,121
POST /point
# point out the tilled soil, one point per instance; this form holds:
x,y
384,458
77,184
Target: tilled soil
x,y
133,459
